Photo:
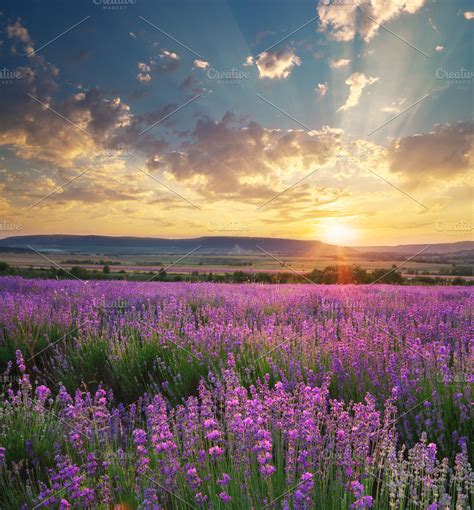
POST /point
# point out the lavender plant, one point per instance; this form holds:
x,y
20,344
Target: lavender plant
x,y
122,395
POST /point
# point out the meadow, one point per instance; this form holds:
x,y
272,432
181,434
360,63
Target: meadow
x,y
132,395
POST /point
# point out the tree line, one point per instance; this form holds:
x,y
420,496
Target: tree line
x,y
333,274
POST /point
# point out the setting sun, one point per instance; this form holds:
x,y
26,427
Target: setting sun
x,y
338,233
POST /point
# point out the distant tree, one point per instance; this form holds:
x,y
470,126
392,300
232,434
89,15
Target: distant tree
x,y
4,267
387,276
106,269
265,278
78,272
239,277
360,275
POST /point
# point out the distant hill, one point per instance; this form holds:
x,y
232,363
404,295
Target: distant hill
x,y
219,245
423,249
223,245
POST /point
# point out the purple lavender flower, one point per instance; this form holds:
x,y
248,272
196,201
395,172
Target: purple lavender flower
x,y
20,361
225,497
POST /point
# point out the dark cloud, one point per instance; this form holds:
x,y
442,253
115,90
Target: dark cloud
x,y
230,153
441,154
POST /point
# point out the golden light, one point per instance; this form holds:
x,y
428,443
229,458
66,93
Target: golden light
x,y
338,233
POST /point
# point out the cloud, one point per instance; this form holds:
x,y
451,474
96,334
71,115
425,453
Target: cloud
x,y
96,121
337,64
469,15
169,54
432,25
390,109
277,65
248,61
223,156
167,63
35,133
344,22
357,82
321,89
201,64
439,48
191,84
144,74
18,33
394,107
442,154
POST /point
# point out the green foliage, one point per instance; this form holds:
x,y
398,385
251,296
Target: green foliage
x,y
21,424
87,365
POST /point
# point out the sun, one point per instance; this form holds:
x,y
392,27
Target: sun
x,y
339,233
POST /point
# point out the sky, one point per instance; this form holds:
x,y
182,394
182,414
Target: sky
x,y
346,121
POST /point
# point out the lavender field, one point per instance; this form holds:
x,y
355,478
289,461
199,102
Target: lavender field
x,y
172,395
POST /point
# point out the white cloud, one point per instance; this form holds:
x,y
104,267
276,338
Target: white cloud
x,y
277,65
201,64
469,15
144,74
249,61
390,109
168,63
169,54
395,106
357,83
343,22
432,25
439,48
143,77
321,89
337,64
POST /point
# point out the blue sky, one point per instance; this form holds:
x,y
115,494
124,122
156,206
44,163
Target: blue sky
x,y
299,102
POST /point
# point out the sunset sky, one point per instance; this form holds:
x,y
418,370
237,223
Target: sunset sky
x,y
185,119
